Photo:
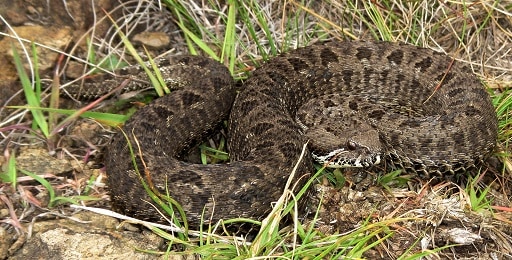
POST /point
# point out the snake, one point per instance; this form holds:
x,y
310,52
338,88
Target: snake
x,y
354,103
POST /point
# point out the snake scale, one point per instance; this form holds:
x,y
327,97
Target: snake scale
x,y
404,106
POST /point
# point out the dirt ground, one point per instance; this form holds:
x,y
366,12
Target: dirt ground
x,y
423,215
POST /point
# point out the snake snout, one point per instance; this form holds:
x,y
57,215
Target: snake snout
x,y
353,154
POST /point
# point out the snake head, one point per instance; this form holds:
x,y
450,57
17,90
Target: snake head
x,y
343,148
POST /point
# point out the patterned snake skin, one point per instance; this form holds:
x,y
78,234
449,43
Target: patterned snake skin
x,y
403,106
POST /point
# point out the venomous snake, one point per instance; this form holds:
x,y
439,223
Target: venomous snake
x,y
357,103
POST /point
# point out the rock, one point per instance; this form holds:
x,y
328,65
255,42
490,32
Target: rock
x,y
154,40
95,239
39,161
56,38
4,243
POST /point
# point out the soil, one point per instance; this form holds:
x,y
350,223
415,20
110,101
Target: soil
x,y
422,216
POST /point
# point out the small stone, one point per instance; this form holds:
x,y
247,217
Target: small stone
x,y
463,236
155,40
74,70
38,161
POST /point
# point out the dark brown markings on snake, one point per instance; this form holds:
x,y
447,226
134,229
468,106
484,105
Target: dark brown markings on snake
x,y
453,92
323,121
288,148
364,53
393,138
264,145
187,176
353,105
162,112
244,197
249,105
466,68
189,98
427,140
444,78
401,102
410,123
330,129
376,114
329,103
261,128
146,125
276,76
291,124
400,78
165,63
449,119
384,74
368,73
471,111
298,64
415,83
271,92
458,102
396,57
327,75
480,93
218,85
327,56
459,138
187,59
347,75
204,63
423,64
395,87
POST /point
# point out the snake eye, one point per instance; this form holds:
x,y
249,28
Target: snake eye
x,y
351,145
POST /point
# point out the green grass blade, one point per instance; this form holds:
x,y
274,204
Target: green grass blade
x,y
9,176
43,182
228,48
32,98
105,118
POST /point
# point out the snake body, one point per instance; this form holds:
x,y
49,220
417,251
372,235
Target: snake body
x,y
408,107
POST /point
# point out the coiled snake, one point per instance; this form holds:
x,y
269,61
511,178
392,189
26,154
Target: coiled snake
x,y
408,107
